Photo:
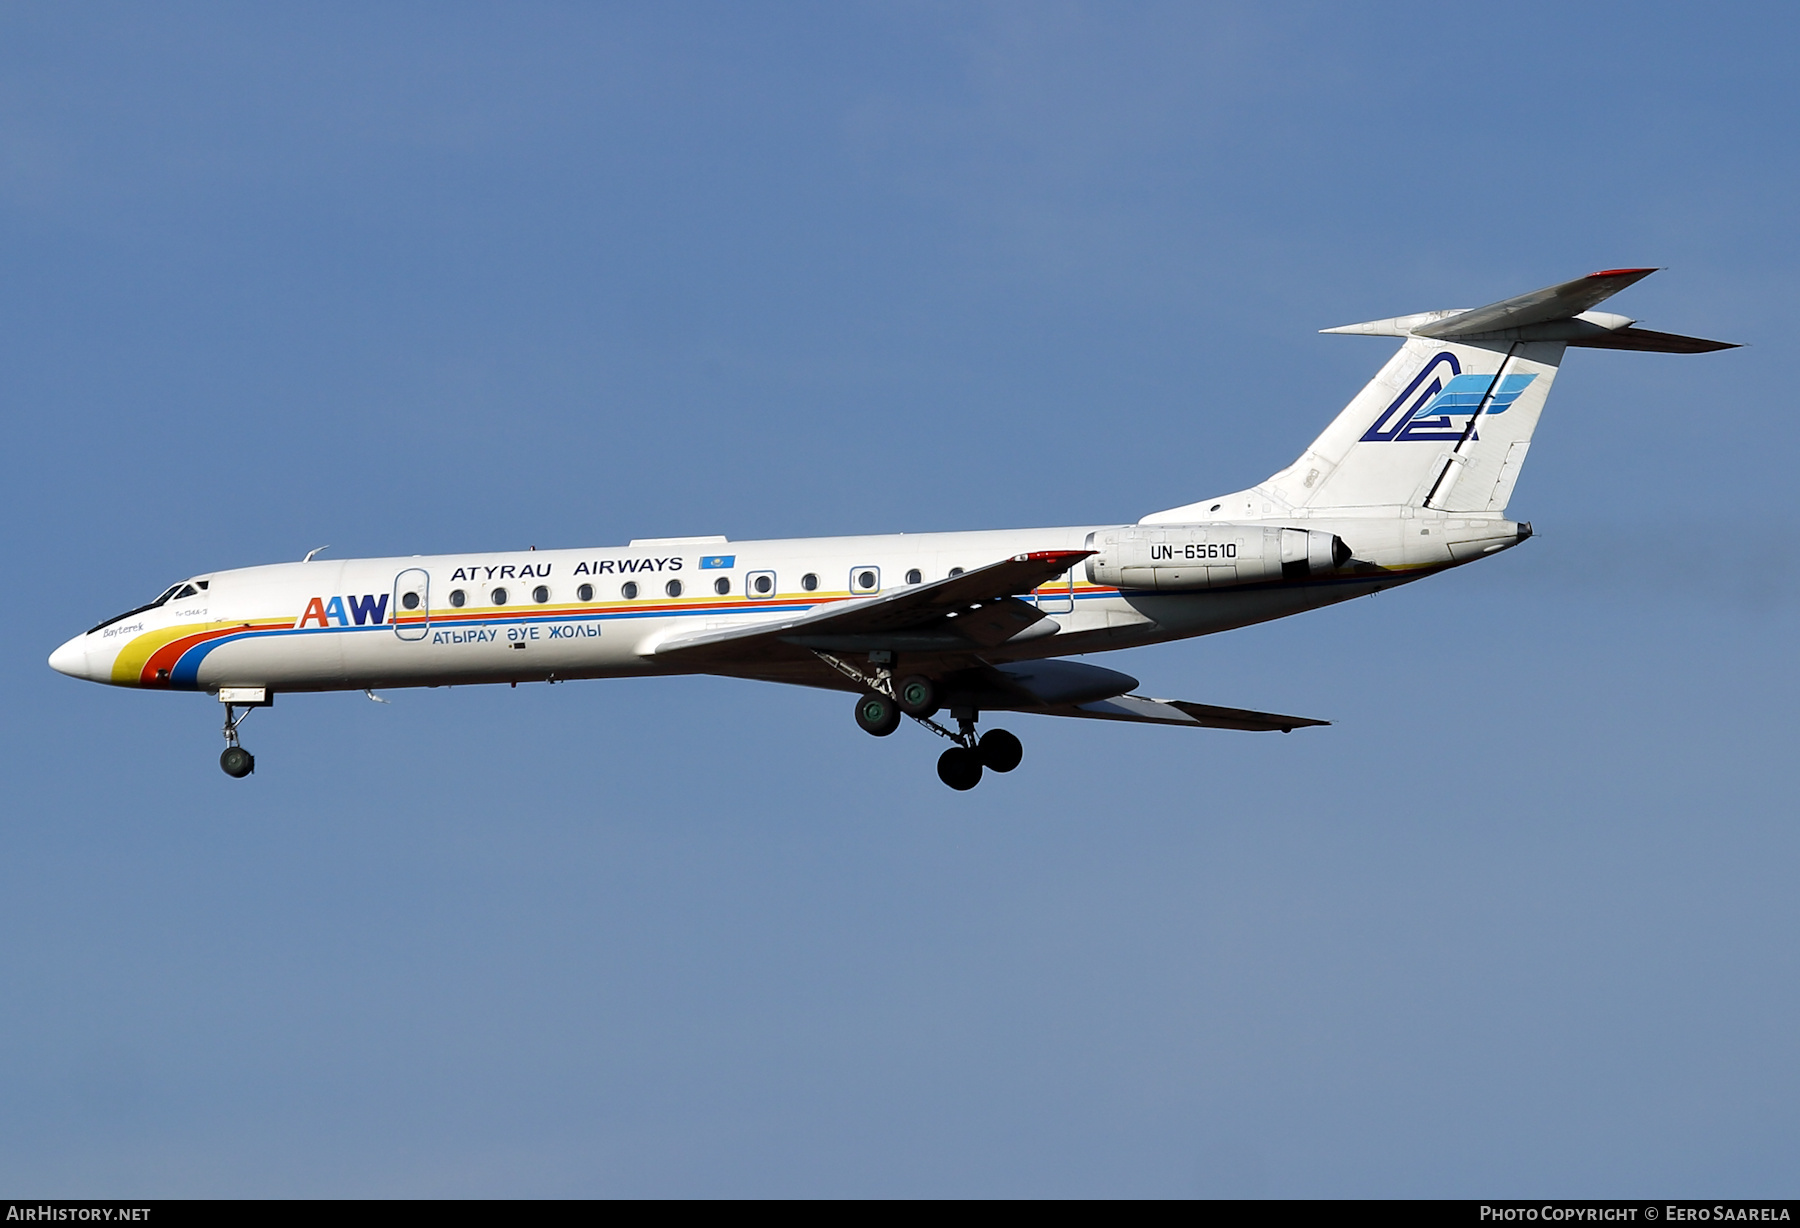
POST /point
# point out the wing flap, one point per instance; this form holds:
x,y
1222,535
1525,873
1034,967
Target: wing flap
x,y
1143,709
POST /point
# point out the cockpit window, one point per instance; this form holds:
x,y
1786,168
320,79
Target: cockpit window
x,y
184,589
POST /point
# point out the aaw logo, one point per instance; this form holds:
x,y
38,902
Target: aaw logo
x,y
1427,409
367,610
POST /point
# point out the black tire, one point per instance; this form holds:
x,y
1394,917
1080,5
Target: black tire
x,y
960,768
877,714
1000,750
237,762
918,697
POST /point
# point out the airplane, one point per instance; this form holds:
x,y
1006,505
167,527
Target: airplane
x,y
1411,479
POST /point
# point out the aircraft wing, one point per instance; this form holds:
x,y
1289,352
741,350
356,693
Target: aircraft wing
x,y
956,615
1179,712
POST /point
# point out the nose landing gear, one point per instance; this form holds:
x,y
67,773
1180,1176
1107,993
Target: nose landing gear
x,y
234,760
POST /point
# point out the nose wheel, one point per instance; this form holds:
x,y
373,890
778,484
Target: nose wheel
x,y
237,762
234,760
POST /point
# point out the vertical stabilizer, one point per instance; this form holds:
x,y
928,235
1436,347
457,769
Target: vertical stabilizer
x,y
1446,424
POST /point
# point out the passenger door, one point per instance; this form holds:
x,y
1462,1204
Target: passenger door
x,y
411,611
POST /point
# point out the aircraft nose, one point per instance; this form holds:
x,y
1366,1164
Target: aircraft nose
x,y
71,658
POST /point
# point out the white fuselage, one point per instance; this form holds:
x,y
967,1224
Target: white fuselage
x,y
535,615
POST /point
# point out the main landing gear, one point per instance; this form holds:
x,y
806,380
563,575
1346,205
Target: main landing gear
x,y
960,766
877,714
880,708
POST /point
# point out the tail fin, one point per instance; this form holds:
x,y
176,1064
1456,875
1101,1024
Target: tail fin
x,y
1410,436
1447,422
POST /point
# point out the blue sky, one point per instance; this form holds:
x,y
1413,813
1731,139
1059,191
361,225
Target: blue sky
x,y
408,279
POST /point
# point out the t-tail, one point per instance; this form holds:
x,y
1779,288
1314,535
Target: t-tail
x,y
1446,424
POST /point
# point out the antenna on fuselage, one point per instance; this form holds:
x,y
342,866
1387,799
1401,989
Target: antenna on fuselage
x,y
312,552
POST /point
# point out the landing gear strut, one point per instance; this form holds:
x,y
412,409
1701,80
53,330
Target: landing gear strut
x,y
235,761
879,709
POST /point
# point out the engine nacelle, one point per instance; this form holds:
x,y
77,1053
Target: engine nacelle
x,y
1181,558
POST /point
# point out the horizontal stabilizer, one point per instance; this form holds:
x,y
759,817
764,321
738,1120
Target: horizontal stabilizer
x,y
1561,312
1559,302
1149,711
1649,341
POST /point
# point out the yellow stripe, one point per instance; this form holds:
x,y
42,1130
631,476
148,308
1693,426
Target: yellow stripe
x,y
128,666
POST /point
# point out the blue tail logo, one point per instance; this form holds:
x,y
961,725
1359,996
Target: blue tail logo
x,y
1431,406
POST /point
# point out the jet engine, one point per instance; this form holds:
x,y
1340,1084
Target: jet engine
x,y
1179,558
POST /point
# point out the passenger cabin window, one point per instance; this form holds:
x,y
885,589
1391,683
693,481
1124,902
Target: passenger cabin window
x,y
956,571
540,594
629,591
673,588
865,579
457,597
498,596
585,592
410,600
914,576
722,585
809,582
764,585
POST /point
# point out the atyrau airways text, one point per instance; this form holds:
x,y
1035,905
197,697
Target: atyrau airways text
x,y
541,571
